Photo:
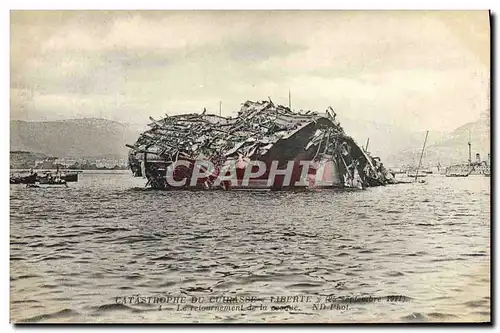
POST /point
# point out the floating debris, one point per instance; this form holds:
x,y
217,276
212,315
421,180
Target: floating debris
x,y
295,149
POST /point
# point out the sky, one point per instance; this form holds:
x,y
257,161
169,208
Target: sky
x,y
414,70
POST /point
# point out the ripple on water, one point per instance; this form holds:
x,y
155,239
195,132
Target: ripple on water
x,y
111,307
415,316
52,317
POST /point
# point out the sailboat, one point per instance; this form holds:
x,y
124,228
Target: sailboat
x,y
418,173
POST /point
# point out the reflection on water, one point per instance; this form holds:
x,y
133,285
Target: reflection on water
x,y
74,250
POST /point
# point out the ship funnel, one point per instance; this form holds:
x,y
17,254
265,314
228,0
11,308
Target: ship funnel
x,y
478,158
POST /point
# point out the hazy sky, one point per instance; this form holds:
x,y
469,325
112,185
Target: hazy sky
x,y
415,70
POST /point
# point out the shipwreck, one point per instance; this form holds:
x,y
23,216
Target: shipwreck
x,y
265,146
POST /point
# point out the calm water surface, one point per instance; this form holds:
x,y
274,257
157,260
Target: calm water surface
x,y
74,250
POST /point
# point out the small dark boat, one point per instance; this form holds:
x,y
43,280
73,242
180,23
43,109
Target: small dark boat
x,y
15,180
70,177
29,179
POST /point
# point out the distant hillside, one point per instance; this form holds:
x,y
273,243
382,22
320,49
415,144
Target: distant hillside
x,y
91,137
451,148
74,137
386,141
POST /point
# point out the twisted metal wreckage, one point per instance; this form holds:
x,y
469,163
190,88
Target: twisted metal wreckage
x,y
263,132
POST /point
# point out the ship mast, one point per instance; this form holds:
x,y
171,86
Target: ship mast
x,y
470,156
289,99
421,155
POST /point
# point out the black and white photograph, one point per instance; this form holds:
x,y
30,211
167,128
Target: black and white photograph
x,y
250,166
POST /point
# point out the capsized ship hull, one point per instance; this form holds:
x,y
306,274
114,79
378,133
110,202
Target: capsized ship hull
x,y
313,147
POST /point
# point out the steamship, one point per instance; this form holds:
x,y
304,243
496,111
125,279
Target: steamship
x,y
471,168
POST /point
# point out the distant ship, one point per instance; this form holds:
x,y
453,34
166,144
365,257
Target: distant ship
x,y
414,174
471,168
458,170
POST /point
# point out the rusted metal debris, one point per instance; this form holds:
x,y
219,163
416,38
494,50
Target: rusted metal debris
x,y
261,131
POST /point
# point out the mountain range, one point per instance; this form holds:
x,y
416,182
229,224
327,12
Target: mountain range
x,y
95,137
89,137
449,148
